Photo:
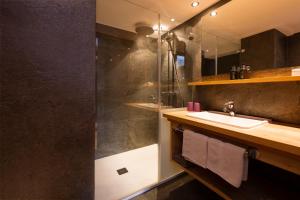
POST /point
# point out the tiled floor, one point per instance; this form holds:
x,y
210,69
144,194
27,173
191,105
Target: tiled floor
x,y
182,188
142,166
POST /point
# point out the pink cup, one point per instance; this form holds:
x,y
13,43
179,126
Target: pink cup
x,y
190,106
197,107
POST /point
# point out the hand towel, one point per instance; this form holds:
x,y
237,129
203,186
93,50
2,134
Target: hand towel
x,y
194,147
234,164
214,155
228,161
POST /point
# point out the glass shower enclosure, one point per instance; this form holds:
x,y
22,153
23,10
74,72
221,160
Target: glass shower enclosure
x,y
140,75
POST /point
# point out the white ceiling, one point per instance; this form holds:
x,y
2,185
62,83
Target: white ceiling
x,y
124,14
235,20
242,18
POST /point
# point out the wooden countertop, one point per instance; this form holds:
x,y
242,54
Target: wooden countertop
x,y
275,136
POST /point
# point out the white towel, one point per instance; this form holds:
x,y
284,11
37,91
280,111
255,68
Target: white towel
x,y
194,147
228,161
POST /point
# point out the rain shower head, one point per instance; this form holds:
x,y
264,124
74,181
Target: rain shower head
x,y
142,29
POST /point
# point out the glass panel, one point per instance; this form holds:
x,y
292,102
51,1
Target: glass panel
x,y
127,99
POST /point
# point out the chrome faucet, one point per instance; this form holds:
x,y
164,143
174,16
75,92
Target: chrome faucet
x,y
152,98
229,107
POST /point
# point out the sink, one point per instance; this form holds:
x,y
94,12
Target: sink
x,y
237,121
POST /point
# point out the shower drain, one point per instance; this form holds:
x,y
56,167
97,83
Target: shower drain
x,y
122,171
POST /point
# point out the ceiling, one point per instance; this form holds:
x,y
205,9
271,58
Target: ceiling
x,y
242,18
124,14
235,20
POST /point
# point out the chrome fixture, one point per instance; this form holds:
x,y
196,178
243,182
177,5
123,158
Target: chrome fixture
x,y
229,108
143,29
174,48
152,98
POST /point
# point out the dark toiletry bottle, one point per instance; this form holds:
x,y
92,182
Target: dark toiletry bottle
x,y
247,71
237,74
244,72
233,73
241,74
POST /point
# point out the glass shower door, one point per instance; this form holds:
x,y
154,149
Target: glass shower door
x,y
127,128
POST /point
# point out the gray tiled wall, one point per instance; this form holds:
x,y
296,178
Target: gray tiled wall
x,y
277,101
125,73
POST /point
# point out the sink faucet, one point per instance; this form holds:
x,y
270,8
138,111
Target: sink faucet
x,y
153,98
229,107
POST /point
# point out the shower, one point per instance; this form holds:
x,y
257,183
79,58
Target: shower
x,y
143,29
175,47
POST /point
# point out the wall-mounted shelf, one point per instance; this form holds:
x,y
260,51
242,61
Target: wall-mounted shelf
x,y
247,81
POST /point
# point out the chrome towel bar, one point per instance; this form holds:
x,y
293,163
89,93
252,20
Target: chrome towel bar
x,y
250,152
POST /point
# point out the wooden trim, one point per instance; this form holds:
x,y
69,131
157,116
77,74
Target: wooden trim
x,y
247,81
208,184
270,154
245,136
219,185
278,159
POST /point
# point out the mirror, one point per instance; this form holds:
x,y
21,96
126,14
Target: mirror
x,y
254,33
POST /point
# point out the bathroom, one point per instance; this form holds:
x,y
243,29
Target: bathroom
x,y
194,99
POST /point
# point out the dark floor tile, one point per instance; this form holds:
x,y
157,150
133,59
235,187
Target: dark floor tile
x,y
182,188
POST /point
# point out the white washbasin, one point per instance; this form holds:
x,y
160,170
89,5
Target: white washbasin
x,y
240,122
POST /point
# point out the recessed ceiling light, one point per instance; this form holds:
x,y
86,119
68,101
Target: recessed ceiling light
x,y
213,13
172,20
147,35
195,4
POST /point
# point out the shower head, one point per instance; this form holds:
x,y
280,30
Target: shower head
x,y
142,29
169,37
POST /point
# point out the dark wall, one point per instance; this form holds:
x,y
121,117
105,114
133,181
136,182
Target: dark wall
x,y
293,55
277,101
269,49
264,50
226,62
47,99
208,66
126,73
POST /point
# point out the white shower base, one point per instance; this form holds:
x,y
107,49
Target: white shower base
x,y
142,166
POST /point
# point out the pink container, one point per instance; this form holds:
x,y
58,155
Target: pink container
x,y
190,106
197,107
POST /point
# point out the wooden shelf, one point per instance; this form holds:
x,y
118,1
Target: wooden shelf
x,y
247,81
260,184
264,181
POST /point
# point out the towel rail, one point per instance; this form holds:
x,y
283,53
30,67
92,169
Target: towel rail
x,y
250,152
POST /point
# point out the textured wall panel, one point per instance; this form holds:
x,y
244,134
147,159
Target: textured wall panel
x,y
47,99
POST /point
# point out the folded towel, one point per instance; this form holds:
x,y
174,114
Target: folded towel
x,y
194,147
228,161
214,155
